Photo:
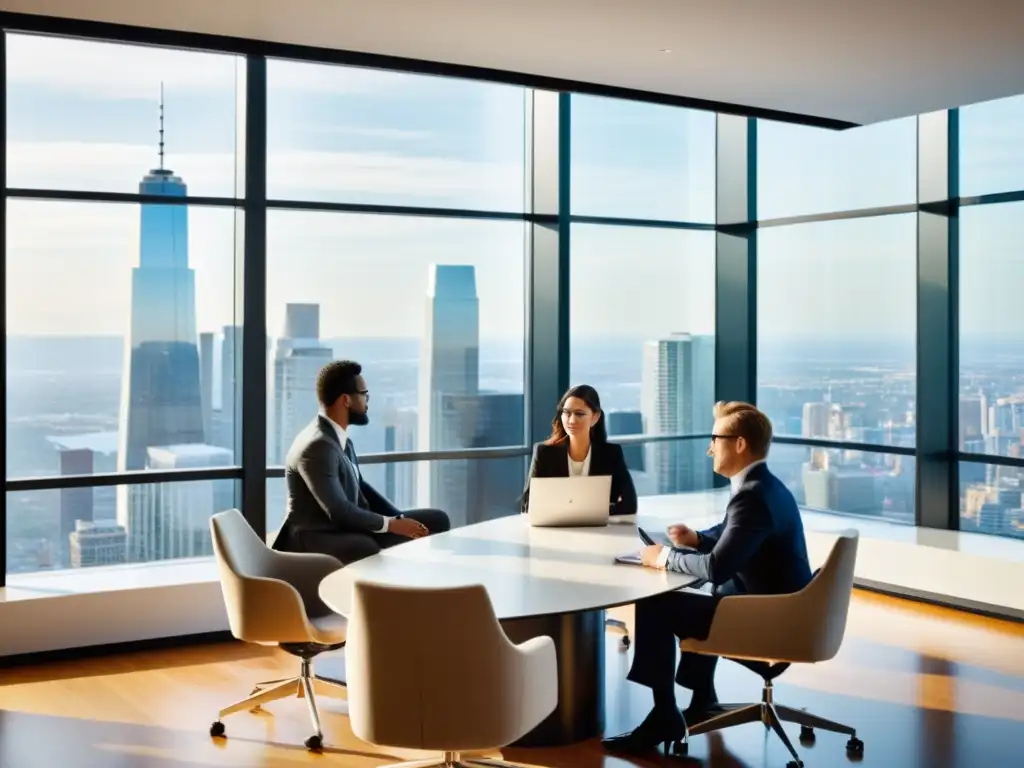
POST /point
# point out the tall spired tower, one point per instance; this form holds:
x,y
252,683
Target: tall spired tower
x,y
161,395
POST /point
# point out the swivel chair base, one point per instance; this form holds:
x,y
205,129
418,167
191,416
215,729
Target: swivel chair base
x,y
454,760
773,716
307,685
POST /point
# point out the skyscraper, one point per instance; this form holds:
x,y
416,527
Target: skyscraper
x,y
228,423
206,381
677,396
298,358
627,423
161,394
473,490
101,542
449,364
76,504
172,520
400,425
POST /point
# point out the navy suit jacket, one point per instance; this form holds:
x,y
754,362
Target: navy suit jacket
x,y
758,549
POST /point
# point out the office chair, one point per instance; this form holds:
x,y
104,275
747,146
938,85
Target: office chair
x,y
272,599
462,686
767,633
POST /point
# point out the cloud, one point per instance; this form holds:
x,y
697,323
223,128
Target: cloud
x,y
358,177
404,179
391,134
115,70
368,272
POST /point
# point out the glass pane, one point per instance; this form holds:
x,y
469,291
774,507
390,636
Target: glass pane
x,y
861,483
675,466
803,171
836,324
991,349
86,115
433,309
991,498
468,490
120,337
642,326
642,161
353,135
89,527
992,147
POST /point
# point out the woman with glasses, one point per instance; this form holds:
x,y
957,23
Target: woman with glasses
x,y
579,447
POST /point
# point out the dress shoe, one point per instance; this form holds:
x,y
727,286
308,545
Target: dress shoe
x,y
701,708
660,727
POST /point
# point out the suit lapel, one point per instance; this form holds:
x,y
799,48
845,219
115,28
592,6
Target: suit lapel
x,y
559,460
347,463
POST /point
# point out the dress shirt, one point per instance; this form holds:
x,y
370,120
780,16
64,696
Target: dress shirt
x,y
736,482
343,440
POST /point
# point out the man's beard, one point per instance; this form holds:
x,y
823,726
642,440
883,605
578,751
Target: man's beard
x,y
358,419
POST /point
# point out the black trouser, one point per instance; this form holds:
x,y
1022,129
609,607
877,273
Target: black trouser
x,y
660,623
350,547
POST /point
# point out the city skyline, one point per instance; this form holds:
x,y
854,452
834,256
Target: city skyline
x,y
142,310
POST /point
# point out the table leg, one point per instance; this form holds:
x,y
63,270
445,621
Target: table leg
x,y
579,648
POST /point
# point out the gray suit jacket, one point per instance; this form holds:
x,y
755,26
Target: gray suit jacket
x,y
325,490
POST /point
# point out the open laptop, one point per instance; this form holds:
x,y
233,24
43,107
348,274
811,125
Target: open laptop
x,y
570,501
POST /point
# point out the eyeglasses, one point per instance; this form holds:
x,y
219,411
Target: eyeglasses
x,y
364,392
578,414
724,437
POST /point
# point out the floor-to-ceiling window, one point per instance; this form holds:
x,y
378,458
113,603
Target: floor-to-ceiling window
x,y
642,282
836,313
990,413
122,254
476,247
396,238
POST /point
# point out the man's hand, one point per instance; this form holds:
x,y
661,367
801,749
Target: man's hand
x,y
404,526
682,536
649,555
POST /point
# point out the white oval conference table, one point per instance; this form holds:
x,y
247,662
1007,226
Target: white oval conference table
x,y
541,581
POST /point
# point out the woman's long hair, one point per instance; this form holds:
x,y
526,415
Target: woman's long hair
x,y
586,393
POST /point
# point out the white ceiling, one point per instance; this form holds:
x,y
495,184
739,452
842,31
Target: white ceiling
x,y
859,61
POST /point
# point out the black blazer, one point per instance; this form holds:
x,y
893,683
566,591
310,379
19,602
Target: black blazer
x,y
605,459
326,492
759,548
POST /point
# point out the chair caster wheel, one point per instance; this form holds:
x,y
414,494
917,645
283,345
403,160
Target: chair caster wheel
x,y
217,729
806,734
315,743
625,642
795,764
854,747
679,748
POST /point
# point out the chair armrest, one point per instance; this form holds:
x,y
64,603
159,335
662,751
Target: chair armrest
x,y
304,571
759,627
537,679
262,610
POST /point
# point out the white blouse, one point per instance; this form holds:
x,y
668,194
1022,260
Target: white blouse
x,y
580,468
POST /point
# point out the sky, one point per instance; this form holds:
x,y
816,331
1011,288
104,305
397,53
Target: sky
x,y
83,115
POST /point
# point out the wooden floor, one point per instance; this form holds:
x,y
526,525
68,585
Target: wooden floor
x,y
924,686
